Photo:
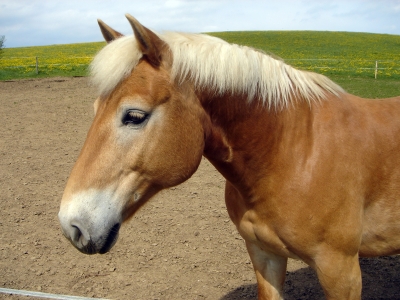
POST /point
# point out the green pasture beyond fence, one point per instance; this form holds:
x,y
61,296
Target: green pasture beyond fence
x,y
330,53
43,66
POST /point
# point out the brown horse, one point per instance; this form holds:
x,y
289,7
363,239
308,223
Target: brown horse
x,y
312,172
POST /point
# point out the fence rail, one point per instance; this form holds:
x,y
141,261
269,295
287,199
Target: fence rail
x,y
363,67
328,66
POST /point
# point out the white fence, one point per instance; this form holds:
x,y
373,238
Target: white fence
x,y
354,67
387,68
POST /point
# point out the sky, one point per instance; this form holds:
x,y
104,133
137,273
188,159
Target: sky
x,y
48,22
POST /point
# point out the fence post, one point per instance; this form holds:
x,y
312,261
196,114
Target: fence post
x,y
37,66
376,69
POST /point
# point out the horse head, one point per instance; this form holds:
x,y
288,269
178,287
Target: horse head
x,y
147,134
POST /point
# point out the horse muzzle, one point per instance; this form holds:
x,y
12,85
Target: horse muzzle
x,y
91,224
87,244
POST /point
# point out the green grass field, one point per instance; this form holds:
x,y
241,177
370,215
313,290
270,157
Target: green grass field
x,y
54,60
347,58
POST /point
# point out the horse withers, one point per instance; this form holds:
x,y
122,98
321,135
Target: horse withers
x,y
311,171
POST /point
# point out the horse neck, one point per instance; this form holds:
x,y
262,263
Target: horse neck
x,y
243,138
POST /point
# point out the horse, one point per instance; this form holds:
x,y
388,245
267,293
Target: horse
x,y
312,172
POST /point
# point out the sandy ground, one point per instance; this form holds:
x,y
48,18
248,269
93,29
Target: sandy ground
x,y
181,245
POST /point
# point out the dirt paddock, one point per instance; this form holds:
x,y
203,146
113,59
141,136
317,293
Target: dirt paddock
x,y
181,245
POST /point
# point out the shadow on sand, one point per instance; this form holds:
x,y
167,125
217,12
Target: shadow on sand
x,y
380,276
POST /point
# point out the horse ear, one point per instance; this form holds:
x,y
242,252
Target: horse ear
x,y
109,34
150,44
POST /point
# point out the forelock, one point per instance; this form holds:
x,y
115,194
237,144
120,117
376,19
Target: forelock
x,y
114,63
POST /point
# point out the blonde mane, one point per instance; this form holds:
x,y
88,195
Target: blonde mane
x,y
213,63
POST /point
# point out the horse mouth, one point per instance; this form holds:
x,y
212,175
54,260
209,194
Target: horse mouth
x,y
109,242
111,239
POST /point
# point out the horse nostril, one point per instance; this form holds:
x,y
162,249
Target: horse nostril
x,y
78,237
76,234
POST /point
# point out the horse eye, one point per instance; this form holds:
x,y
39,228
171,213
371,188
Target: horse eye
x,y
134,117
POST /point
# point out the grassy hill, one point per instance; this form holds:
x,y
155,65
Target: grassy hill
x,y
319,44
336,53
339,55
